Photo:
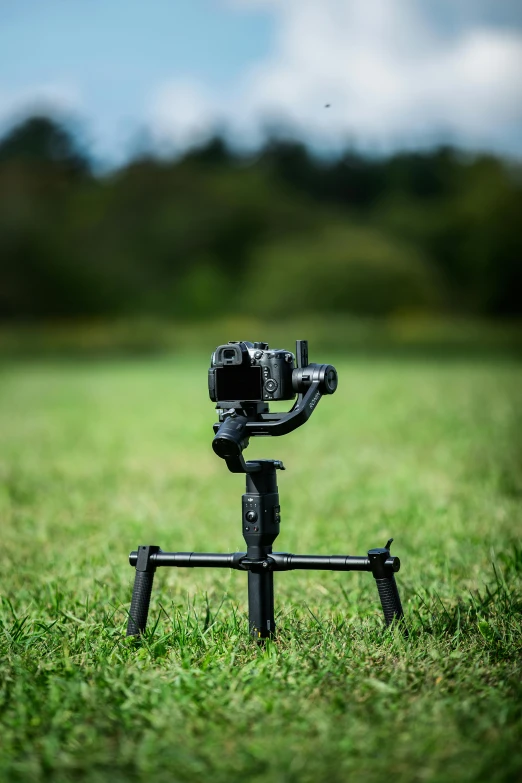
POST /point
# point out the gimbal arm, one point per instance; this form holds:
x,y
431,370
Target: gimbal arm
x,y
282,423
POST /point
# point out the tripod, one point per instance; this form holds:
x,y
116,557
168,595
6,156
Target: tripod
x,y
261,515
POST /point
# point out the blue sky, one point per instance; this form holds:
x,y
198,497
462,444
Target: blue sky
x,y
116,51
396,72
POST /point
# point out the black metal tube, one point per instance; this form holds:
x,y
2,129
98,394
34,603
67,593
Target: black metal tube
x,y
288,562
278,561
261,603
193,559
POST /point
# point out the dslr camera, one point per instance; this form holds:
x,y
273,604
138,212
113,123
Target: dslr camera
x,y
250,372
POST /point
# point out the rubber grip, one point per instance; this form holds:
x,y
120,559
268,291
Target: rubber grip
x,y
390,600
139,609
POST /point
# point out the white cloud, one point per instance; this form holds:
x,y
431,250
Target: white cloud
x,y
389,74
183,112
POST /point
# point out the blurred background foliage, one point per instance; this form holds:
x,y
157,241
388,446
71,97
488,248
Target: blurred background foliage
x,y
279,234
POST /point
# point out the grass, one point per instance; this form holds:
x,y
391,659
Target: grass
x,y
96,458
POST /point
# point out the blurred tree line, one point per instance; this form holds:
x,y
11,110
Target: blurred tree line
x,y
279,233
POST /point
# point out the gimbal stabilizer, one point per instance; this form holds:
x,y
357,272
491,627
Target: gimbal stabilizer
x,y
261,512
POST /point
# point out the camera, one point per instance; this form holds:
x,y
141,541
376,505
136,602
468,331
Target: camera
x,y
250,372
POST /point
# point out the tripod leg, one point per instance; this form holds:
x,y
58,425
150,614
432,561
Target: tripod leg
x,y
387,588
261,604
142,590
390,600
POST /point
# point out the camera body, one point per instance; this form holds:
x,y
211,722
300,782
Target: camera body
x,y
250,372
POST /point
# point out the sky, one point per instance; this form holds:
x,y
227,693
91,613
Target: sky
x,y
378,75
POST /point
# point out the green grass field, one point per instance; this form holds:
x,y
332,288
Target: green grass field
x,y
98,457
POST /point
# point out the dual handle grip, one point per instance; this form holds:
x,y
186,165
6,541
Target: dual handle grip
x,y
144,579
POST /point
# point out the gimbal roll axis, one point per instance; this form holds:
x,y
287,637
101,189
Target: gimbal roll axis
x,y
261,512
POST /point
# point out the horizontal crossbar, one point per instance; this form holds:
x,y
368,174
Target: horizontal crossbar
x,y
275,561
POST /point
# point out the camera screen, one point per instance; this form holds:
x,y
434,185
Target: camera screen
x,y
238,383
